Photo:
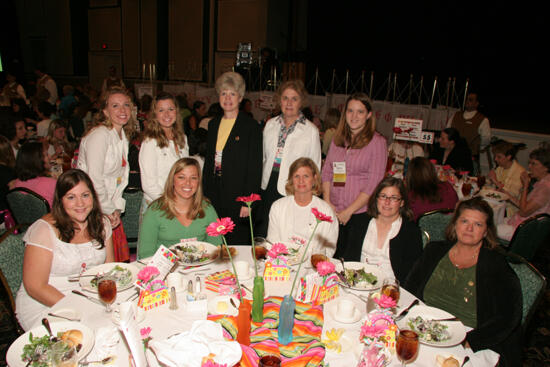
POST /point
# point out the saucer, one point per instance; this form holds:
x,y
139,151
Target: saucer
x,y
333,311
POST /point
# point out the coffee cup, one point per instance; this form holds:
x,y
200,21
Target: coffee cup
x,y
346,308
242,269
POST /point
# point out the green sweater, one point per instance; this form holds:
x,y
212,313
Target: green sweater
x,y
158,230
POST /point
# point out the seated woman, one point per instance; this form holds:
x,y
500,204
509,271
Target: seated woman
x,y
454,151
537,201
73,234
58,142
291,219
391,238
180,213
426,192
32,167
467,278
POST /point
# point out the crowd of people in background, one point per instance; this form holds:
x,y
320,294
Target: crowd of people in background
x,y
192,161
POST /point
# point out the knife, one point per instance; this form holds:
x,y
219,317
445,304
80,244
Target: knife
x,y
88,297
406,311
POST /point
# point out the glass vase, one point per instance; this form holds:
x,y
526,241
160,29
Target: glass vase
x,y
243,323
286,319
258,299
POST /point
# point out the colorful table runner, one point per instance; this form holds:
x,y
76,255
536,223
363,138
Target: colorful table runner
x,y
306,349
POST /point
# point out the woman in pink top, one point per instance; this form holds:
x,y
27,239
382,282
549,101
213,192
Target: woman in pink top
x,y
537,201
31,168
355,164
426,192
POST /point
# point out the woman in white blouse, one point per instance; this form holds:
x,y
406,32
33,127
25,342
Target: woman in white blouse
x,y
73,236
103,152
287,137
290,218
163,144
392,240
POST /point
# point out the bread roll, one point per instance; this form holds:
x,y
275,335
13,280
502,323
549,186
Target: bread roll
x,y
72,337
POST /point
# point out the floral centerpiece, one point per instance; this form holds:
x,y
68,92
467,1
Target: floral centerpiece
x,y
286,312
322,286
154,292
276,267
258,289
378,333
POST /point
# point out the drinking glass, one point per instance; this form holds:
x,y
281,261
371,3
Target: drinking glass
x,y
269,360
480,181
106,288
390,288
63,355
406,346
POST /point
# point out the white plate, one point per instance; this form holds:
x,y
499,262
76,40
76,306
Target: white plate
x,y
368,268
85,282
332,309
348,345
213,303
211,255
490,195
291,260
13,357
456,328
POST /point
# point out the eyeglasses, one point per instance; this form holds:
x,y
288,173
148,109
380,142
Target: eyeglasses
x,y
393,199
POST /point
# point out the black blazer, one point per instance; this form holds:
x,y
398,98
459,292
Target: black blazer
x,y
241,166
460,158
405,248
499,300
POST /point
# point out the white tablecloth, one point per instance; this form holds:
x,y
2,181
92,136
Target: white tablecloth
x,y
165,322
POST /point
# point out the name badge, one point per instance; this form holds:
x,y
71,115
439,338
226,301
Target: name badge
x,y
339,173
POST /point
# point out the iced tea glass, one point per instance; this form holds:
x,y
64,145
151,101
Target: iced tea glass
x,y
106,288
390,288
406,346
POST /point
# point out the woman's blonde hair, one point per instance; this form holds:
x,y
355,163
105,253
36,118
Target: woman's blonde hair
x,y
155,131
232,81
343,136
52,140
299,163
101,119
167,201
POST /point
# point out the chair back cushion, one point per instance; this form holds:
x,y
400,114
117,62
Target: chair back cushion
x,y
26,205
130,218
434,223
530,235
532,286
9,327
12,249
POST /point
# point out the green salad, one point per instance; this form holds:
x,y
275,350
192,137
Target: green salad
x,y
429,330
38,351
122,276
359,278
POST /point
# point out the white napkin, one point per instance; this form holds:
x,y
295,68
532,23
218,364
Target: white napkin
x,y
482,358
106,342
188,348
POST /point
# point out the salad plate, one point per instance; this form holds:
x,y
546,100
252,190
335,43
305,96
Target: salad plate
x,y
125,275
421,319
360,276
493,195
13,357
195,253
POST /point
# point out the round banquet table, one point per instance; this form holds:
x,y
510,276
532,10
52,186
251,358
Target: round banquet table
x,y
165,322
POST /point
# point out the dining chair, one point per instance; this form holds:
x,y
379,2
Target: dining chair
x,y
533,285
12,249
433,224
130,218
530,235
9,327
26,206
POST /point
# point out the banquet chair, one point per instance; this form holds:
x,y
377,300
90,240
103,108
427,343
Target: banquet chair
x,y
9,327
533,285
130,218
26,206
434,223
530,235
12,249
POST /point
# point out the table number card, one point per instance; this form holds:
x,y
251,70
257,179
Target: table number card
x,y
163,260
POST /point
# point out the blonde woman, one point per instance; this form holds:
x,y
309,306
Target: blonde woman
x,y
103,155
181,212
163,144
58,144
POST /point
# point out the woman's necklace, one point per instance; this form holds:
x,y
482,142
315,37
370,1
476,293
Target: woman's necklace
x,y
461,261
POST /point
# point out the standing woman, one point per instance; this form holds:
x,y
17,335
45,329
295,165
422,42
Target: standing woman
x,y
163,144
103,154
233,162
355,164
287,137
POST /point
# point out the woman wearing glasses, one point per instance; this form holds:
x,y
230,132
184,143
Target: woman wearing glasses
x,y
391,239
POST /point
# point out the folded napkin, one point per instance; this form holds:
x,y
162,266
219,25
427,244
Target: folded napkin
x,y
482,358
106,342
188,348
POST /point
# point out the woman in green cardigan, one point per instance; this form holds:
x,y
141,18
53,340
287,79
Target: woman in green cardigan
x,y
180,213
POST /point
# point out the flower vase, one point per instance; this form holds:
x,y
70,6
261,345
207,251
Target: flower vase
x,y
258,299
243,323
286,319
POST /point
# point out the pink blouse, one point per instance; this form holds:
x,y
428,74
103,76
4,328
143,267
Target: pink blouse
x,y
43,186
541,194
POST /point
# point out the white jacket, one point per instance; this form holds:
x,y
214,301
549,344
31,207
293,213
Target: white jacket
x,y
101,155
155,164
304,141
284,223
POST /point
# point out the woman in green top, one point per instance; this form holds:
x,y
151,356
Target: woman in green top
x,y
467,278
182,212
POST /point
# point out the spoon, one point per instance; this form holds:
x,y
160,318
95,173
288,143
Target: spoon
x,y
466,359
233,303
46,324
103,361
